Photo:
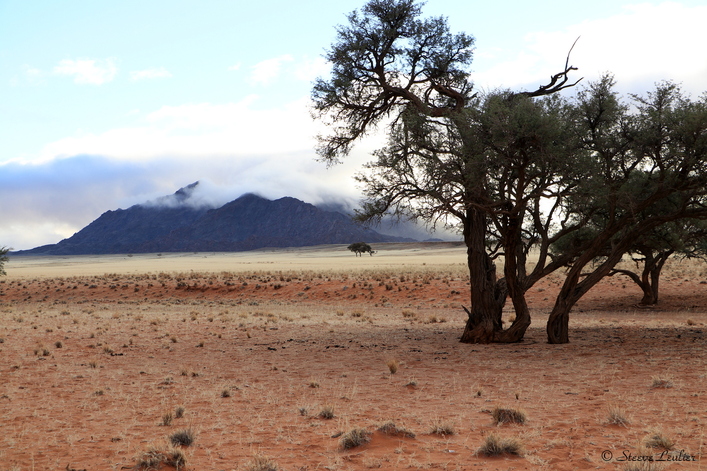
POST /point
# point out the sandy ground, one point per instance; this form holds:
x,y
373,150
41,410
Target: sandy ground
x,y
97,352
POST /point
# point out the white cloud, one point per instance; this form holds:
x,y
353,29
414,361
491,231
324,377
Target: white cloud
x,y
236,66
153,73
644,44
88,71
309,69
265,72
239,128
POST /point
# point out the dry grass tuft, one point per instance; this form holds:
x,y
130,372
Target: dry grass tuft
x,y
442,428
261,463
643,466
389,428
393,365
508,416
167,419
326,413
154,458
661,382
496,446
184,437
617,416
656,439
354,438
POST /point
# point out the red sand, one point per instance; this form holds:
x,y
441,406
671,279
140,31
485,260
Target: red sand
x,y
90,365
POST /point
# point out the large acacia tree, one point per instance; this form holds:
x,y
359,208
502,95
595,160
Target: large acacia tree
x,y
649,166
482,163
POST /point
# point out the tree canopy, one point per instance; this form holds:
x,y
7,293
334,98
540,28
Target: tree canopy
x,y
3,259
516,171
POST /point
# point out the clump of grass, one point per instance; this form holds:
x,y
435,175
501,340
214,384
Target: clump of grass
x,y
643,466
508,416
327,412
661,382
261,463
617,416
179,412
313,383
155,457
184,437
393,365
167,418
226,392
389,428
58,344
442,428
496,446
656,439
355,437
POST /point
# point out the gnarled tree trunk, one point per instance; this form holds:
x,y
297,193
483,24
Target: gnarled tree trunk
x,y
487,297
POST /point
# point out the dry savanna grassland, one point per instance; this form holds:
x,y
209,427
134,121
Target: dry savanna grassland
x,y
313,359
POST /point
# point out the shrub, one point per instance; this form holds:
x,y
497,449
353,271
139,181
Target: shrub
x,y
393,365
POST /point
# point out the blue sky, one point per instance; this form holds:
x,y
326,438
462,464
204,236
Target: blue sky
x,y
104,104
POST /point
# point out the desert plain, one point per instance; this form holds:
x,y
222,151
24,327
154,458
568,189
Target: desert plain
x,y
269,359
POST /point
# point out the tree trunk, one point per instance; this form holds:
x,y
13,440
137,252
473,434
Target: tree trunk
x,y
487,294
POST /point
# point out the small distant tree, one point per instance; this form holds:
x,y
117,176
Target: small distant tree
x,y
359,248
3,259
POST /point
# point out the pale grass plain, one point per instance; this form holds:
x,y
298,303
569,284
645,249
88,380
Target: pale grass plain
x,y
97,351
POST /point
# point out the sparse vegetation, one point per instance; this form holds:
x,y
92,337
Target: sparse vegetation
x,y
261,463
156,457
327,412
167,418
657,439
617,416
389,428
508,416
662,382
494,445
354,438
183,437
442,428
393,365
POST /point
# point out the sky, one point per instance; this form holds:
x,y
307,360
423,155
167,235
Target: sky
x,y
106,104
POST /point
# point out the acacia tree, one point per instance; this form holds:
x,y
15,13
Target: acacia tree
x,y
359,248
650,170
388,63
3,259
678,239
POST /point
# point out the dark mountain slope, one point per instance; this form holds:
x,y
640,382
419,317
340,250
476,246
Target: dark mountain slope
x,y
171,224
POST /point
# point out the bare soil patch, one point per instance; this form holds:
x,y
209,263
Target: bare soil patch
x,y
97,370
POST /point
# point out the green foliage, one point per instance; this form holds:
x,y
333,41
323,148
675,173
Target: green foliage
x,y
360,247
3,259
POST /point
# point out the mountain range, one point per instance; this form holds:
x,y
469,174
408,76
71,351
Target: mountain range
x,y
176,223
